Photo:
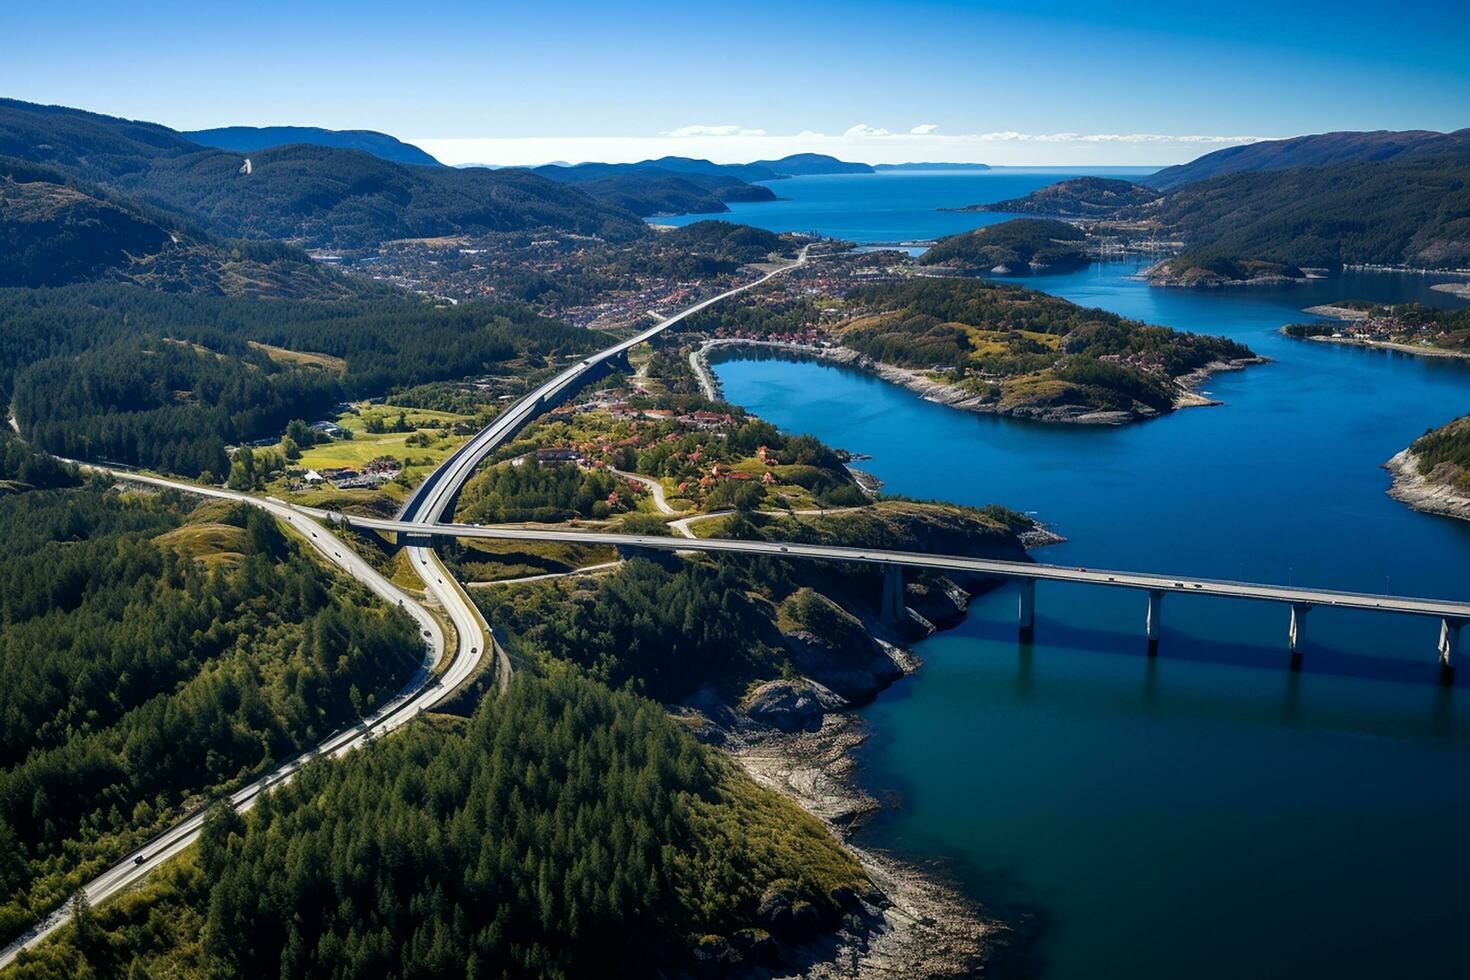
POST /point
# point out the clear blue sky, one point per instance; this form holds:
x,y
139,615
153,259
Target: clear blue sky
x,y
536,72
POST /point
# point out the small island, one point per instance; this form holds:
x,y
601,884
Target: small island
x,y
984,347
1020,246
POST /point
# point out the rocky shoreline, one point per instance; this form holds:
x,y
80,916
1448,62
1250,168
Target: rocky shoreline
x,y
956,397
799,737
1413,488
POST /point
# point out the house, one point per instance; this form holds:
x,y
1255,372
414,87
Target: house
x,y
312,478
558,454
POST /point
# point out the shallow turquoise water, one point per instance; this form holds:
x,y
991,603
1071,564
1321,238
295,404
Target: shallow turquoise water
x,y
1208,813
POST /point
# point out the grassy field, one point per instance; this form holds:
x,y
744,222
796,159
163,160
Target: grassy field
x,y
364,446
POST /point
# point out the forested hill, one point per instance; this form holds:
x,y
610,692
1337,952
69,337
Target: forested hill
x,y
1079,198
1018,247
249,139
56,230
309,194
1413,212
166,381
1318,150
647,191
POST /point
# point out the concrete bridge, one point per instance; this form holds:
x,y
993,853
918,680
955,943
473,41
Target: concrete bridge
x,y
1300,601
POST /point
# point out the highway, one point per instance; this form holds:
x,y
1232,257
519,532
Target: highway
x,y
426,505
1149,581
432,497
421,691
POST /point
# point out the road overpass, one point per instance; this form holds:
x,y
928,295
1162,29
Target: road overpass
x,y
1451,613
473,638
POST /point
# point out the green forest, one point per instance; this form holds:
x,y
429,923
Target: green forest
x,y
564,830
157,653
1026,350
1021,245
167,380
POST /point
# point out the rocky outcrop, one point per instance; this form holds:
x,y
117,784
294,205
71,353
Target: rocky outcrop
x,y
792,705
1432,493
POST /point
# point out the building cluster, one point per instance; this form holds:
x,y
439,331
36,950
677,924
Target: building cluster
x,y
375,472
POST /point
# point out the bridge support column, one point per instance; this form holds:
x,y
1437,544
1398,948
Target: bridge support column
x,y
1027,609
1449,648
1155,620
891,609
1296,634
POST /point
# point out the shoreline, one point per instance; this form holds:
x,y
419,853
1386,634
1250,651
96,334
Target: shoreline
x,y
1411,488
1187,396
1388,345
924,924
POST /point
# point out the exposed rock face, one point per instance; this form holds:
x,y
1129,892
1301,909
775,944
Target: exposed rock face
x,y
1434,494
792,705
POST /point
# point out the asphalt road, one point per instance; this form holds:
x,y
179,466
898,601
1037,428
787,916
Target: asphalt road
x,y
986,566
427,505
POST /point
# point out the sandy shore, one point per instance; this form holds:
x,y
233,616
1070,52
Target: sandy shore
x,y
1410,487
1391,345
954,396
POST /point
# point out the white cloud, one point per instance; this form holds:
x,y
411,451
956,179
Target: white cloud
x,y
863,131
923,129
698,130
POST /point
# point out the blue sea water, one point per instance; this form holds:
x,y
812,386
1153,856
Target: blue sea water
x,y
1208,813
894,206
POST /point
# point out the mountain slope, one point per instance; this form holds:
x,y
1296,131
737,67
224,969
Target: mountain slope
x,y
648,191
310,194
1413,212
249,139
54,233
1318,150
1080,197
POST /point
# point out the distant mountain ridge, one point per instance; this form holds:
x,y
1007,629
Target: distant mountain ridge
x,y
812,165
312,195
249,139
1317,150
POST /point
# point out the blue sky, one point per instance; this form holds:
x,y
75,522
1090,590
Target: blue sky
x,y
1064,83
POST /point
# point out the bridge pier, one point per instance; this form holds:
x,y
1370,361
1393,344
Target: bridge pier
x,y
1296,634
1155,620
891,609
1449,648
1027,609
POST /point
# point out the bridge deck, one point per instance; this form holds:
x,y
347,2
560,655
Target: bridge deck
x,y
1446,608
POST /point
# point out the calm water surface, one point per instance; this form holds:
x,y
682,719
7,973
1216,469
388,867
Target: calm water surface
x,y
893,206
1207,813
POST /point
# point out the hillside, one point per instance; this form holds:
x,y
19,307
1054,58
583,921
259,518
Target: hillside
x,y
1080,197
647,191
313,195
1015,247
1318,150
746,172
249,139
1411,212
54,234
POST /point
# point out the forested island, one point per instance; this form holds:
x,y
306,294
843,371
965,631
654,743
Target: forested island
x,y
1016,247
990,347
